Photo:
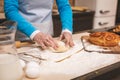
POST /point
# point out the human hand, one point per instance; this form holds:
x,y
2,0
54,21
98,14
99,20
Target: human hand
x,y
68,38
45,40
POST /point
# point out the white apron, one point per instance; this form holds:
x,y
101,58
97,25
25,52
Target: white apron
x,y
38,12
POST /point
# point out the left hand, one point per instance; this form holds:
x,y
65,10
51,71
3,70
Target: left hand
x,y
67,37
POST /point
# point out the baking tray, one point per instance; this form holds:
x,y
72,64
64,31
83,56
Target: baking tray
x,y
89,47
111,30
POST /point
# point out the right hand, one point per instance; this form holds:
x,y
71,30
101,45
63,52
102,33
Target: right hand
x,y
45,40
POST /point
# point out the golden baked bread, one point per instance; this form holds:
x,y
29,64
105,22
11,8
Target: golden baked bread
x,y
107,39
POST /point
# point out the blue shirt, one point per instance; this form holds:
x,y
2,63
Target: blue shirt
x,y
11,9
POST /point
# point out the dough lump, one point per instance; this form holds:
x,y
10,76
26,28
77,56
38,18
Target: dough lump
x,y
61,47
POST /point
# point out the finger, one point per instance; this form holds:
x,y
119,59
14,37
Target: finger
x,y
56,44
71,43
43,46
61,36
47,43
67,41
41,43
53,43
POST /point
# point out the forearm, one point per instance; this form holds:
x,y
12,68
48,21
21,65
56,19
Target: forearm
x,y
12,13
65,14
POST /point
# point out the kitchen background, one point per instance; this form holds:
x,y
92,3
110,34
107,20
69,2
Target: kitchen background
x,y
90,14
87,14
2,3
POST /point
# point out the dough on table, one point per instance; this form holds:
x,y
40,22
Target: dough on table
x,y
61,47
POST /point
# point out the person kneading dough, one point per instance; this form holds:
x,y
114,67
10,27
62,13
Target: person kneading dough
x,y
61,47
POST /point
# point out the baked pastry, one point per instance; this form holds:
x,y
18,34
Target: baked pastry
x,y
116,29
107,39
61,47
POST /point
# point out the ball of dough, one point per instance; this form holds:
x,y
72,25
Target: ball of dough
x,y
61,47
